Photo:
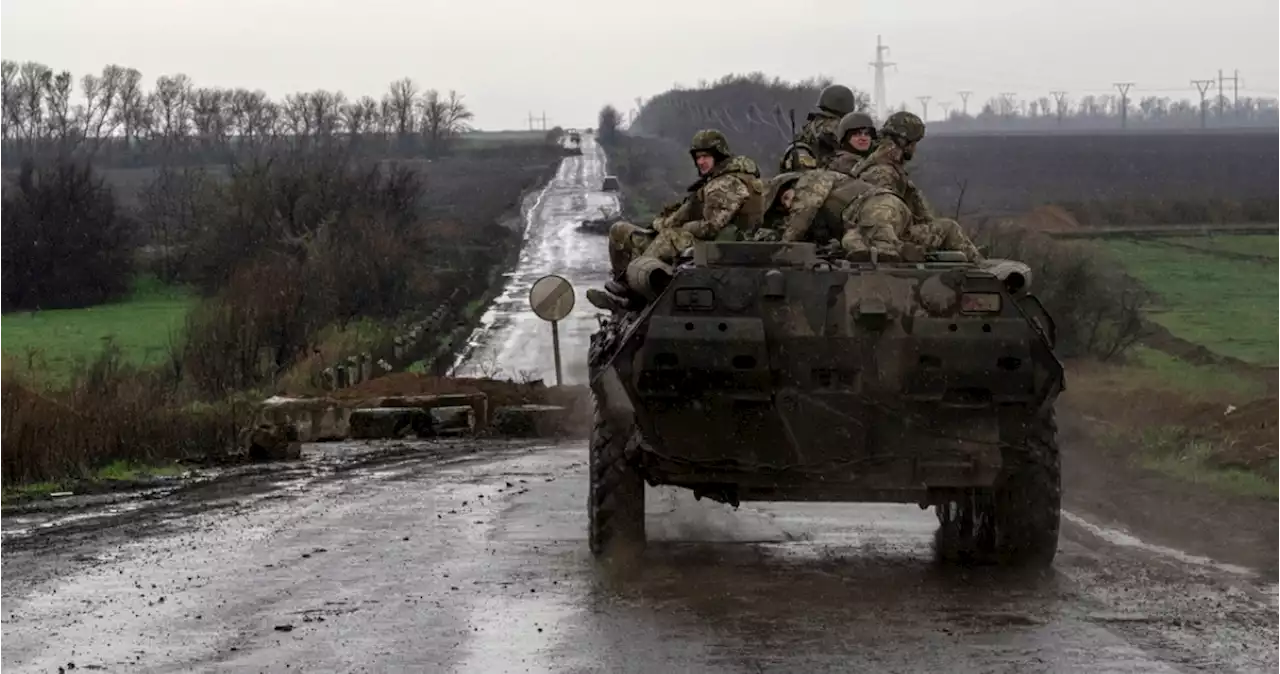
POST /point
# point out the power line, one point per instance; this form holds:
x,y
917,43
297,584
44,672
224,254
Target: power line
x,y
880,64
1123,88
1235,91
1202,86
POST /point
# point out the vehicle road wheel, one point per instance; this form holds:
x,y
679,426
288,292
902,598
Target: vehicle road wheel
x,y
615,506
1016,522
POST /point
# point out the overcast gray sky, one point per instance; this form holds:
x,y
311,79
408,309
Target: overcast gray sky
x,y
568,57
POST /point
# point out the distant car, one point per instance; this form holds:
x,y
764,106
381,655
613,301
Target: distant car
x,y
610,184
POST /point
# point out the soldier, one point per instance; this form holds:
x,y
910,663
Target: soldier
x,y
817,141
857,137
832,210
886,167
725,203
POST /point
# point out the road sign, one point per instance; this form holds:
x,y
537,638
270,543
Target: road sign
x,y
552,300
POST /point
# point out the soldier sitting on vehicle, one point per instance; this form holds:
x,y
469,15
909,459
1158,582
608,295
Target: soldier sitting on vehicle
x,y
886,167
825,207
817,142
726,203
857,140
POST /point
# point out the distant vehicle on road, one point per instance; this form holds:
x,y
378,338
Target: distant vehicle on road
x,y
610,184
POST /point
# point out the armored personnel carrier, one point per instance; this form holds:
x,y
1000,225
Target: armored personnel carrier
x,y
765,372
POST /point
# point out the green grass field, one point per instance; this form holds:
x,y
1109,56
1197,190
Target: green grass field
x,y
54,342
1219,291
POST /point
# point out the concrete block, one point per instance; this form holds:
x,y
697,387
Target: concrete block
x,y
380,423
531,421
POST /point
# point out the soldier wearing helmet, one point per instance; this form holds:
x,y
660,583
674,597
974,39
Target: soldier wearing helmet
x,y
726,202
817,141
886,167
857,136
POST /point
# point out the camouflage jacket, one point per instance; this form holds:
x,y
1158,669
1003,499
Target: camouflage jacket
x,y
822,205
819,133
845,161
882,168
731,194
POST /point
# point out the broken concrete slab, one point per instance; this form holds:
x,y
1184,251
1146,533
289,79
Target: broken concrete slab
x,y
478,402
531,421
379,423
317,419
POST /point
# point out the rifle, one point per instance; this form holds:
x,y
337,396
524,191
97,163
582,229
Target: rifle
x,y
795,152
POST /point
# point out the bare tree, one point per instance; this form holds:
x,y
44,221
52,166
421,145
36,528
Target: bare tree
x,y
442,119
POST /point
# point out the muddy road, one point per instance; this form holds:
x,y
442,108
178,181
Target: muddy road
x,y
471,557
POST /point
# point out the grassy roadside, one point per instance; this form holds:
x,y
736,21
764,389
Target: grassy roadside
x,y
115,475
1196,403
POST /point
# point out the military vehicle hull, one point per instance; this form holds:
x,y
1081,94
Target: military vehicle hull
x,y
761,372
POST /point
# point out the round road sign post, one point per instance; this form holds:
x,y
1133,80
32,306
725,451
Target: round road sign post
x,y
551,298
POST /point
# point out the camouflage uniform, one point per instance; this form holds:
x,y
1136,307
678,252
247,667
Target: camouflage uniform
x,y
885,167
817,140
829,205
726,202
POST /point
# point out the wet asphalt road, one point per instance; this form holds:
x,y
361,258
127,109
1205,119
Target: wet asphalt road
x,y
467,557
511,342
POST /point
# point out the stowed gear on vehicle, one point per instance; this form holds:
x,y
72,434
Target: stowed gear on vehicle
x,y
764,371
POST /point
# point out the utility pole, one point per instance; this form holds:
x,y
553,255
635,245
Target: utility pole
x,y
1235,91
964,102
880,64
1123,88
924,103
946,109
1061,98
1202,86
531,120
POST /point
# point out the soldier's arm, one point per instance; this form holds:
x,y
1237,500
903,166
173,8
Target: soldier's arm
x,y
674,215
811,191
920,209
882,176
721,199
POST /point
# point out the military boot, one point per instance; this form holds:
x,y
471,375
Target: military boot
x,y
608,301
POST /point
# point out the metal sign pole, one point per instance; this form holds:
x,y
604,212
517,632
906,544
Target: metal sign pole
x,y
555,348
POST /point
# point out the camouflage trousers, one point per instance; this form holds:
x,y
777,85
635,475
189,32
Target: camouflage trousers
x,y
628,241
875,223
942,234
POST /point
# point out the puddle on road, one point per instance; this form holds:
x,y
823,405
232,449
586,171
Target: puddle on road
x,y
1124,539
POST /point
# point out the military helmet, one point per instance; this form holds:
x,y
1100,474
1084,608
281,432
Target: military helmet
x,y
710,140
906,127
854,120
838,99
779,184
804,156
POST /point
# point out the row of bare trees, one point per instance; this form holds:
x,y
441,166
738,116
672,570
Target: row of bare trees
x,y
115,120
